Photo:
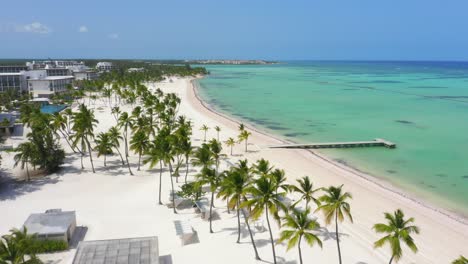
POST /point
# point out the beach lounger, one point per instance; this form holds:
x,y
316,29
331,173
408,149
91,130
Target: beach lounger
x,y
202,207
185,232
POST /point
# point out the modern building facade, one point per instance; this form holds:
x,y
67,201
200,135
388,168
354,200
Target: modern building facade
x,y
12,68
12,81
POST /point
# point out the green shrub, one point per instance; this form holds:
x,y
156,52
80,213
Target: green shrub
x,y
47,246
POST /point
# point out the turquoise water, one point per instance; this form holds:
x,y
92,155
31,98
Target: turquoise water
x,y
420,106
51,109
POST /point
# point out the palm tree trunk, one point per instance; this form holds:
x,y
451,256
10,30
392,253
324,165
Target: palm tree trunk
x,y
238,222
139,160
27,172
218,136
271,234
391,259
68,142
128,165
126,143
160,180
251,236
245,145
299,247
337,236
90,154
172,185
105,160
231,150
82,154
120,154
227,205
204,139
211,210
186,168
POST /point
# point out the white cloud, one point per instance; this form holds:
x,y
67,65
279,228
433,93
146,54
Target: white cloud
x,y
34,27
114,36
83,29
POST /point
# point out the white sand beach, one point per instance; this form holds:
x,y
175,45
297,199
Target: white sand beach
x,y
113,204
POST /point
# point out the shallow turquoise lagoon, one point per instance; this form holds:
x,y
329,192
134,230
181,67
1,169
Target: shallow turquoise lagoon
x,y
420,106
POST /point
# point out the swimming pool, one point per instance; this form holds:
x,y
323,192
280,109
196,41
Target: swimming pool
x,y
51,109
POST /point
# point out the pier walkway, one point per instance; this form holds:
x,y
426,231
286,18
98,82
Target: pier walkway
x,y
378,142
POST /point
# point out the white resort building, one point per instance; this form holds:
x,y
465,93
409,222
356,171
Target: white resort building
x,y
105,66
43,79
40,85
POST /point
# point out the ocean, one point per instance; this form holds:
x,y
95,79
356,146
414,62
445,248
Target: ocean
x,y
420,106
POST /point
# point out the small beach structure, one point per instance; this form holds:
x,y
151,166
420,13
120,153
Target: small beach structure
x,y
185,232
141,250
53,224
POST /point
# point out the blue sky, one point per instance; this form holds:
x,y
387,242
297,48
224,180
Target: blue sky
x,y
240,29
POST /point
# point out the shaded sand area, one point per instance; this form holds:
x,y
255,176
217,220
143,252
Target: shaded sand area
x,y
112,204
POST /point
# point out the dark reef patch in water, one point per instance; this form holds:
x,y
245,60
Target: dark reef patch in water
x,y
391,171
406,122
298,134
277,127
447,96
465,177
427,87
441,175
350,89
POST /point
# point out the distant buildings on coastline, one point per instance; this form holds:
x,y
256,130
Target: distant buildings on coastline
x,y
43,79
234,62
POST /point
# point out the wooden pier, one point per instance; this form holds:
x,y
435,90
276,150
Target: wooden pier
x,y
378,142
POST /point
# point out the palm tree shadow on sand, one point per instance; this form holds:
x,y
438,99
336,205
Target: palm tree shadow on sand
x,y
326,234
10,189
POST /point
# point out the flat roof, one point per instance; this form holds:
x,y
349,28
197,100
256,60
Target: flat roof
x,y
10,73
142,250
50,223
53,78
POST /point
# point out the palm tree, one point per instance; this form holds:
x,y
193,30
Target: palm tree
x,y
265,200
234,189
103,146
279,176
460,260
139,144
15,246
216,147
125,122
205,129
241,127
301,226
262,167
83,126
155,157
230,143
24,156
244,136
203,156
397,229
167,156
115,138
59,124
210,177
306,190
335,206
187,149
218,129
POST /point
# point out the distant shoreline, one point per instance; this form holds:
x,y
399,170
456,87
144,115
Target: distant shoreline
x,y
457,216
